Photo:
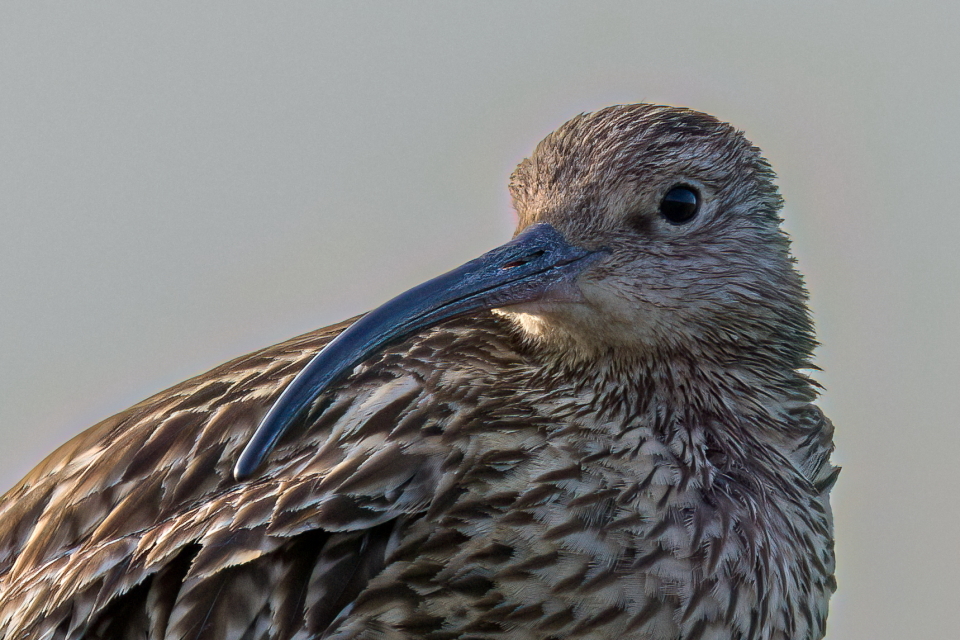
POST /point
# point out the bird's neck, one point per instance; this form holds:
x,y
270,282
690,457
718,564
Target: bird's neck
x,y
665,389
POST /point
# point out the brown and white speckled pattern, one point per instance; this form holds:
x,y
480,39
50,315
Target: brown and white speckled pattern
x,y
647,464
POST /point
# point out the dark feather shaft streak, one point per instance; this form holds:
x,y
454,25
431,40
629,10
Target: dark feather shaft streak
x,y
630,451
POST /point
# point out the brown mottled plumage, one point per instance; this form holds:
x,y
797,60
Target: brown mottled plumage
x,y
641,460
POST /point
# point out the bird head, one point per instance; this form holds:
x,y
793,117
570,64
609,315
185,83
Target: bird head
x,y
685,211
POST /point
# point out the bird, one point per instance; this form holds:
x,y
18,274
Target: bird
x,y
605,428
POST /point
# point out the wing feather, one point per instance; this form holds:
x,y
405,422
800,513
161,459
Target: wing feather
x,y
141,515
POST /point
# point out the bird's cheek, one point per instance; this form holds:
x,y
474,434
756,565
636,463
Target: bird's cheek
x,y
622,315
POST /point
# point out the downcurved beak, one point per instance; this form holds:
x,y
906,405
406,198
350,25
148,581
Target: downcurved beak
x,y
527,268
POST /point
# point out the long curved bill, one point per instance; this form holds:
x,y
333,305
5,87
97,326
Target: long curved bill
x,y
522,270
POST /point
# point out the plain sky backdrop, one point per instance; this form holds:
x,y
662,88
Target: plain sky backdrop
x,y
182,182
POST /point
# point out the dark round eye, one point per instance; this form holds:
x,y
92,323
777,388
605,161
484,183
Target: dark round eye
x,y
680,205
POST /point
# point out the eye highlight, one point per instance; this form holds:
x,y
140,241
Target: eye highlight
x,y
680,205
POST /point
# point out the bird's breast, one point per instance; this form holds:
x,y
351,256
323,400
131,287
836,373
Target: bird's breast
x,y
548,525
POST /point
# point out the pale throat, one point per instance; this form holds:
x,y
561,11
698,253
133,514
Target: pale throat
x,y
570,336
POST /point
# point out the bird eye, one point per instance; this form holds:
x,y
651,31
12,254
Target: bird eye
x,y
680,205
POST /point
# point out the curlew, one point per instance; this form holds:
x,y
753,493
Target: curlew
x,y
601,429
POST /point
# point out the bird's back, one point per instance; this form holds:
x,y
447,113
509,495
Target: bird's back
x,y
136,528
108,531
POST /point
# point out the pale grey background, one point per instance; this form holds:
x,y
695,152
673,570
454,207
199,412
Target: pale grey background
x,y
182,184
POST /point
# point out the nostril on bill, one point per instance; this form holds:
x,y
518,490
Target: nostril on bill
x,y
523,261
